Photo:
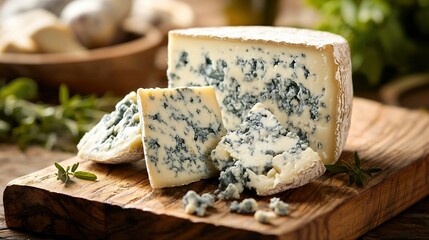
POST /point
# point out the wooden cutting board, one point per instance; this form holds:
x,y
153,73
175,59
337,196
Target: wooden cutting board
x,y
122,205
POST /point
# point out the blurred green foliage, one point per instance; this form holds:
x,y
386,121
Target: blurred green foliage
x,y
254,12
388,38
25,121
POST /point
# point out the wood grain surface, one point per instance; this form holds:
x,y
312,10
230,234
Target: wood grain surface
x,y
122,204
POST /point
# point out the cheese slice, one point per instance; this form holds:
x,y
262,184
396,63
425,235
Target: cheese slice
x,y
117,137
20,44
15,30
56,38
264,156
302,76
180,128
36,31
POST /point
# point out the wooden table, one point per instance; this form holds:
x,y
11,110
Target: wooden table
x,y
15,163
413,223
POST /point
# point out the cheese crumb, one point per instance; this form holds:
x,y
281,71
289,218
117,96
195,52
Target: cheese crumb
x,y
265,217
195,204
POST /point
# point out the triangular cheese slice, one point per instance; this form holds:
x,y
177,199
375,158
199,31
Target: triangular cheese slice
x,y
181,127
117,137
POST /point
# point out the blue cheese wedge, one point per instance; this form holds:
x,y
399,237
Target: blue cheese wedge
x,y
264,156
181,127
117,137
302,76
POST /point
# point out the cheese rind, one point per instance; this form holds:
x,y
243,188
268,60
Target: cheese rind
x,y
180,128
117,137
264,156
302,76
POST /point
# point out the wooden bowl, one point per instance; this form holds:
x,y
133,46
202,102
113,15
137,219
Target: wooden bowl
x,y
118,69
409,91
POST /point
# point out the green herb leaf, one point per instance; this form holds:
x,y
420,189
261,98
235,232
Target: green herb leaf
x,y
352,179
22,88
63,174
360,181
85,175
64,94
357,174
59,167
64,177
371,171
336,168
52,126
74,167
357,160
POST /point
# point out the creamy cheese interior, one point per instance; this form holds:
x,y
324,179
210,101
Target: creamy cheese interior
x,y
117,137
180,128
262,155
306,84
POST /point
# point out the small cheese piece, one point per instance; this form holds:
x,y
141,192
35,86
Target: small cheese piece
x,y
279,207
195,204
15,30
117,137
265,217
36,31
264,156
230,192
55,39
19,44
302,76
180,128
248,205
232,180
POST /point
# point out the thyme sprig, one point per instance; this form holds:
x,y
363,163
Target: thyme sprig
x,y
357,174
64,174
25,121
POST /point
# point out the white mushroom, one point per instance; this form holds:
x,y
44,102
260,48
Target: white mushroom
x,y
90,22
